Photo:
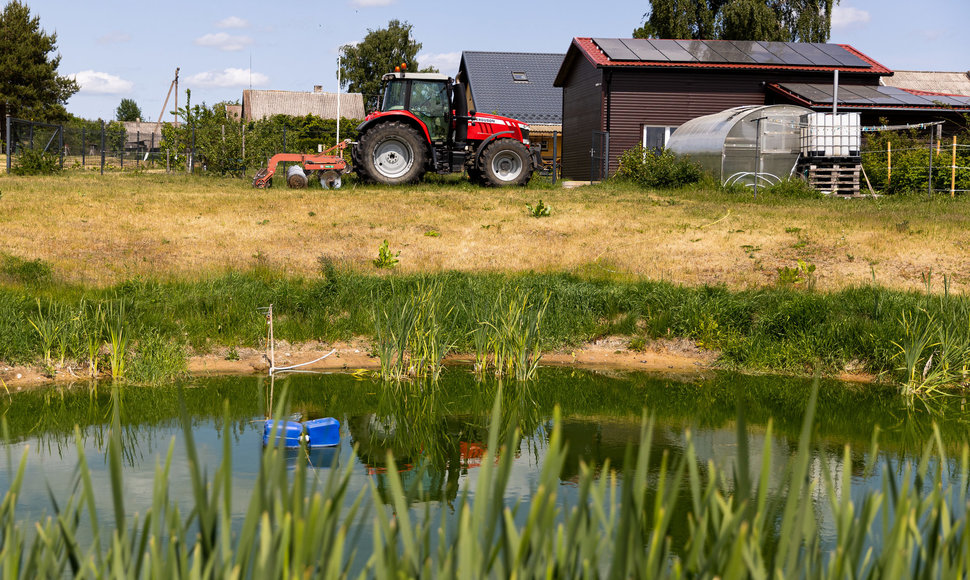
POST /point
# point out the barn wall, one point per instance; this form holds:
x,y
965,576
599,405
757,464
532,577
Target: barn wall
x,y
643,96
582,113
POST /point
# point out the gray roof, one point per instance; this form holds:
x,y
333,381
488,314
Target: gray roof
x,y
951,83
495,90
259,104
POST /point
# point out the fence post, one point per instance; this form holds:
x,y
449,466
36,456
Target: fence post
x,y
82,146
192,156
889,162
60,144
953,170
9,150
102,147
555,155
929,184
138,140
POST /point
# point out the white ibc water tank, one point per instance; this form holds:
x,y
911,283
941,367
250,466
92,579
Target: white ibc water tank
x,y
828,135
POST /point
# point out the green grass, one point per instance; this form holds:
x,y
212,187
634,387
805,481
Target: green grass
x,y
621,524
497,317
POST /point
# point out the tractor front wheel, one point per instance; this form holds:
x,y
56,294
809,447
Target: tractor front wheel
x,y
507,162
392,153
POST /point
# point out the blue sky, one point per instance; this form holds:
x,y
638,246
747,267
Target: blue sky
x,y
130,49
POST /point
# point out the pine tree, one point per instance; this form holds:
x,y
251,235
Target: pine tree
x,y
30,87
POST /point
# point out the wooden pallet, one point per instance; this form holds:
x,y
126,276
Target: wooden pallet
x,y
838,177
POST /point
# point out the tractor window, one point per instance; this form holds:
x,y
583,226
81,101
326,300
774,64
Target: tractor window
x,y
394,95
429,102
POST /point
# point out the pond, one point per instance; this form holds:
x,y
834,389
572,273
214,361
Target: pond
x,y
438,434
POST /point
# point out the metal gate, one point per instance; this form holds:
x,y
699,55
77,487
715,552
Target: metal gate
x,y
31,135
599,153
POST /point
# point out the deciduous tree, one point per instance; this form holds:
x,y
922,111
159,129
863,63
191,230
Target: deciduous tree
x,y
30,87
128,110
771,20
363,64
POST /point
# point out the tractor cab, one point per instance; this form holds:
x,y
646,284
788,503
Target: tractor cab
x,y
425,95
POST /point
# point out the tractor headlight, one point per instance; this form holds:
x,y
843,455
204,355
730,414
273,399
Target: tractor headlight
x,y
525,133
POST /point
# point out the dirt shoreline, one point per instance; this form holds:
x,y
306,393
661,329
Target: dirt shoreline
x,y
679,356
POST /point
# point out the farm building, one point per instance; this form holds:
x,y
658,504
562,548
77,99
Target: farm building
x,y
517,85
618,93
258,104
143,136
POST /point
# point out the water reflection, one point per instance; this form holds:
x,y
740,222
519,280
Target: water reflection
x,y
438,432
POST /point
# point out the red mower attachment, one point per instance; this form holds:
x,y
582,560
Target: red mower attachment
x,y
329,166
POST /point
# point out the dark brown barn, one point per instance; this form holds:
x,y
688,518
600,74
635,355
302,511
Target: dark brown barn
x,y
618,93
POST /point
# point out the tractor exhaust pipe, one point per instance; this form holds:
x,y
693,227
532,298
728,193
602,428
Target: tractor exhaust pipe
x,y
295,177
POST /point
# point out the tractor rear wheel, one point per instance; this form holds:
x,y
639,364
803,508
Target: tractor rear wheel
x,y
507,162
392,153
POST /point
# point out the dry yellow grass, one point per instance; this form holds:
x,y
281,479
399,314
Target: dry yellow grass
x,y
100,230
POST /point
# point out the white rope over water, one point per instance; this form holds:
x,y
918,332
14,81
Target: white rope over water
x,y
271,346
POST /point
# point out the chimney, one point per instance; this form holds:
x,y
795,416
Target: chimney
x,y
318,88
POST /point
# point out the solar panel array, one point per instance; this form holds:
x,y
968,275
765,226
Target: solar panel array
x,y
741,52
870,96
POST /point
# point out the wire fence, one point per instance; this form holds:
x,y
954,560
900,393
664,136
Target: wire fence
x,y
208,143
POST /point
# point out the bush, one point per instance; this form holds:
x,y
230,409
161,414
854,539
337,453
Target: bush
x,y
662,170
36,162
793,188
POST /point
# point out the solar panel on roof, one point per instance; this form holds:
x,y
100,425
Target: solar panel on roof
x,y
615,49
758,53
842,55
855,96
730,52
813,55
702,51
673,51
814,93
784,52
900,96
644,50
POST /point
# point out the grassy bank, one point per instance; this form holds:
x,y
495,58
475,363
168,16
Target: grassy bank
x,y
919,339
102,230
620,525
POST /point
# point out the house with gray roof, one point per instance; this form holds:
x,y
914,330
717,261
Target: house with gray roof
x,y
517,85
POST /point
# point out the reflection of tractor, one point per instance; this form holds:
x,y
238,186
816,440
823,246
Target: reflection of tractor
x,y
424,125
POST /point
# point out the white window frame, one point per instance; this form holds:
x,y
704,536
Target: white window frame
x,y
668,130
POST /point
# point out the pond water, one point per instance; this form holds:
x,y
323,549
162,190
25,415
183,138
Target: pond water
x,y
444,430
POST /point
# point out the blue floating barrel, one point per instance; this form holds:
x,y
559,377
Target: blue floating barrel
x,y
323,432
286,432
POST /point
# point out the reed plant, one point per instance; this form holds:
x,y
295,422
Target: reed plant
x,y
94,325
620,525
411,331
47,324
117,326
506,335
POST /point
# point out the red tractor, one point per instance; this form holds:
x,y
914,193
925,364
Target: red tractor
x,y
424,125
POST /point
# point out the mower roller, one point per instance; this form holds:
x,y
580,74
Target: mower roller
x,y
329,165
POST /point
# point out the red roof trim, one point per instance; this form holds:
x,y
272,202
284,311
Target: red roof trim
x,y
599,58
799,99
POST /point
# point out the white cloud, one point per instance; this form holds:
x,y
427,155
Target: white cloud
x,y
114,37
233,22
370,3
224,41
446,62
846,16
102,83
228,78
